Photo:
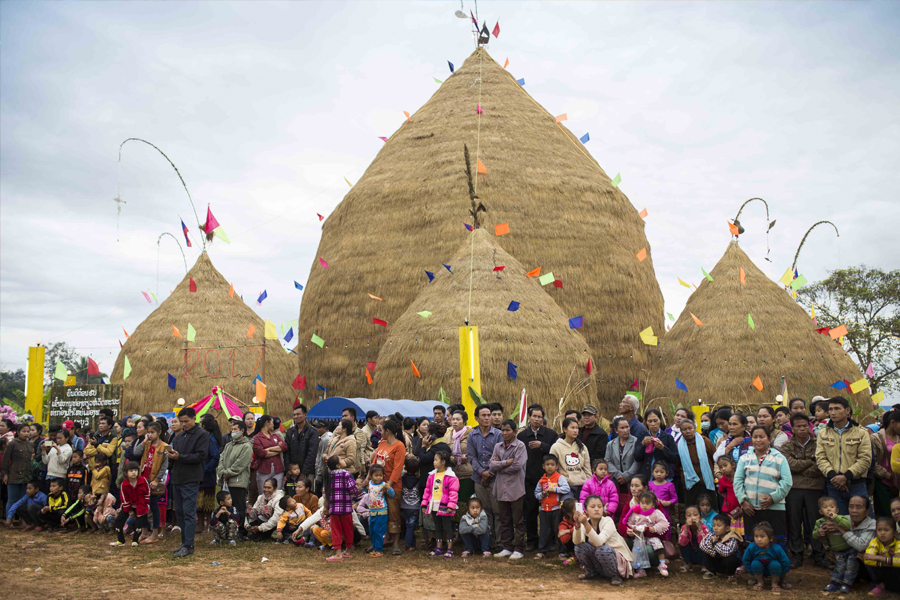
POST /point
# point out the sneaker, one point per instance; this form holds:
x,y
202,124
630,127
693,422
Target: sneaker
x,y
184,551
516,555
175,551
663,569
539,556
116,544
708,575
310,544
845,589
831,587
503,554
877,590
232,542
134,544
214,543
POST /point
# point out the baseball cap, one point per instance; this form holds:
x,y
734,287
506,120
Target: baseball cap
x,y
590,410
68,424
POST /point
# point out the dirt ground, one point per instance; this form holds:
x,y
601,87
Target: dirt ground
x,y
47,565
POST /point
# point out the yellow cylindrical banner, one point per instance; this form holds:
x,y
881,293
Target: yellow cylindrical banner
x,y
34,383
469,369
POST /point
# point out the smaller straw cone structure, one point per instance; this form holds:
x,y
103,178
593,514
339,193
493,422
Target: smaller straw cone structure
x,y
221,354
536,337
719,361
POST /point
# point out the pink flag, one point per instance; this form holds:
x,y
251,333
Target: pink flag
x,y
478,109
635,384
382,138
870,371
147,296
211,222
323,263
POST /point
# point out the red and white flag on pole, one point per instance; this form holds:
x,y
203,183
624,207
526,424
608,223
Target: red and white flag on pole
x,y
523,407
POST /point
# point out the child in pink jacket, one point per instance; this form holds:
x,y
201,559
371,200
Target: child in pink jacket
x,y
601,485
646,520
439,499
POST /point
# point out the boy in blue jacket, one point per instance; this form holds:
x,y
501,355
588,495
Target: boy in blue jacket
x,y
28,508
764,558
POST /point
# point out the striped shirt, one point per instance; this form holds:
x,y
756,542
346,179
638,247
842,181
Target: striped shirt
x,y
769,476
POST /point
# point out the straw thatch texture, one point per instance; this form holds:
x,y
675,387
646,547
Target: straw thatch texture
x,y
536,337
406,214
719,360
221,323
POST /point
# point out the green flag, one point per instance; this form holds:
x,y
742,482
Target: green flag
x,y
707,275
127,370
60,372
191,333
220,233
750,322
436,80
318,341
670,316
617,180
425,314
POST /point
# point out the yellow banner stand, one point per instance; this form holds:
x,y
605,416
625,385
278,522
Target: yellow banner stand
x,y
34,383
469,369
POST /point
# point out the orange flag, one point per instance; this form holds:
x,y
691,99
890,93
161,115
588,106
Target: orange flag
x,y
506,64
250,331
835,333
562,117
368,377
501,229
375,298
643,214
415,370
533,273
642,254
743,276
696,320
260,391
231,291
407,116
128,336
757,383
175,331
733,229
481,168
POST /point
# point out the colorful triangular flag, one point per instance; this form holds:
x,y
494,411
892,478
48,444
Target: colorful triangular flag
x,y
430,276
451,65
299,383
757,383
191,333
323,263
415,369
424,314
250,331
750,322
616,180
576,322
175,331
147,297
513,306
171,382
481,168
270,332
61,373
533,272
93,367
192,285
496,30
585,138
511,370
289,335
262,297
317,341
707,275
561,118
298,286
683,282
680,385
211,223
127,369
184,230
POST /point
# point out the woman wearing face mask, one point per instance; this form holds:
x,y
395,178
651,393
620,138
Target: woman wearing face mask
x,y
233,472
761,483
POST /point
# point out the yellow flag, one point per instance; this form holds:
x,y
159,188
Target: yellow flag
x,y
787,278
682,282
648,338
859,386
271,332
812,311
878,397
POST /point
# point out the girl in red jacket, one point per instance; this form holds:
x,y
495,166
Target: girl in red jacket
x,y
135,496
730,504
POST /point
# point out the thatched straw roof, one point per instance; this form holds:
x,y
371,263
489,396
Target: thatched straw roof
x,y
406,214
719,360
221,344
536,337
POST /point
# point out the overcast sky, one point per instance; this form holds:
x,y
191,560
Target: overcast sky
x,y
265,108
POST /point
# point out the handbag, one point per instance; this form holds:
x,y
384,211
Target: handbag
x,y
670,551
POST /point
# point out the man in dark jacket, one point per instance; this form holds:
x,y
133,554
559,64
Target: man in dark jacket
x,y
187,459
592,434
538,440
303,442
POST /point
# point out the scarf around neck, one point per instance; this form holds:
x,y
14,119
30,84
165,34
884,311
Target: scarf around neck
x,y
690,476
457,439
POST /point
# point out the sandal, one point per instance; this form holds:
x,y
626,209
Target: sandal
x,y
448,554
587,577
615,581
436,552
335,558
785,585
397,551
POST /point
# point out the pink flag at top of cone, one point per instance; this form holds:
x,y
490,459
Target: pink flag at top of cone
x,y
522,416
211,223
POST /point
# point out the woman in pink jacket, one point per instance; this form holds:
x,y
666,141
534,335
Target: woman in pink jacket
x,y
440,499
601,485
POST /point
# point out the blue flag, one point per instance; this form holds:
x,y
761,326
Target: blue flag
x,y
585,138
258,378
451,65
171,381
430,276
511,370
262,297
468,227
839,385
448,268
576,322
521,81
513,306
298,286
319,387
289,335
680,385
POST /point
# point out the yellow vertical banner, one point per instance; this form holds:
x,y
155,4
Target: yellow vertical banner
x,y
34,383
469,368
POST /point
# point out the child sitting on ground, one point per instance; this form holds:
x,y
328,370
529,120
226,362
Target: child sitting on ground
x,y
882,556
290,479
28,508
707,514
322,529
292,516
598,546
646,521
410,500
473,529
636,486
722,547
440,498
602,485
104,511
692,533
135,496
846,566
378,510
730,504
224,520
57,503
90,507
77,511
550,491
567,528
765,558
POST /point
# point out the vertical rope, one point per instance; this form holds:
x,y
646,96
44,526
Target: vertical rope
x,y
477,154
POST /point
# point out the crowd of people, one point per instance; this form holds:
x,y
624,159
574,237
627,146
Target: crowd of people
x,y
733,495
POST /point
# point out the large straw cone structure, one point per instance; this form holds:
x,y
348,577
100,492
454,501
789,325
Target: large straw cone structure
x,y
405,215
719,360
221,323
536,338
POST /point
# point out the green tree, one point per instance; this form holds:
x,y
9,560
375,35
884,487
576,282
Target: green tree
x,y
11,380
81,372
63,352
867,302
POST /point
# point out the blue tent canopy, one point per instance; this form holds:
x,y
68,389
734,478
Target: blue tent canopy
x,y
331,408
